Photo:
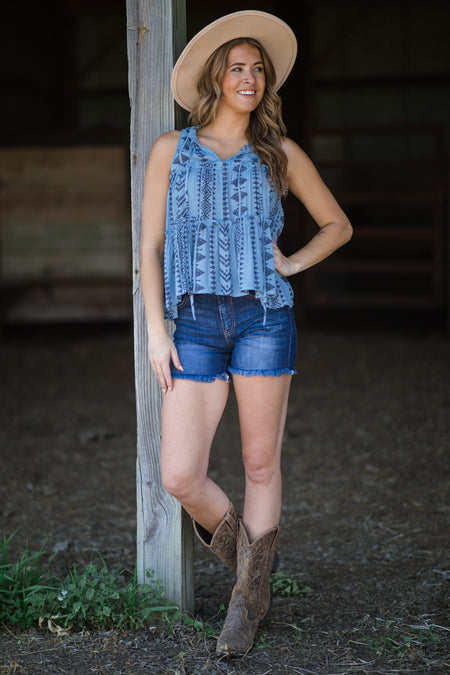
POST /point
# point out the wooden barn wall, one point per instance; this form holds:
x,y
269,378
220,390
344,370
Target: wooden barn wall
x,y
65,233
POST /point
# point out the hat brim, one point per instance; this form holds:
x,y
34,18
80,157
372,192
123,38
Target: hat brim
x,y
274,34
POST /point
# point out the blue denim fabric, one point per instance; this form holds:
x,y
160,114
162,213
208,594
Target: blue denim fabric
x,y
233,336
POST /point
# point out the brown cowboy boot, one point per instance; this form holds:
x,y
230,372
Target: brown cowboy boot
x,y
223,541
251,598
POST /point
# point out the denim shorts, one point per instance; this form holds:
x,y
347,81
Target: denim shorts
x,y
227,335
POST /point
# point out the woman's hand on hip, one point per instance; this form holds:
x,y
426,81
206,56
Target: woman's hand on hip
x,y
283,265
161,351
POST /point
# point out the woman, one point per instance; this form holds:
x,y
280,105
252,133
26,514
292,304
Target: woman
x,y
211,218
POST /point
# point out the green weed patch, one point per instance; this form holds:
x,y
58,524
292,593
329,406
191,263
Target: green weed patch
x,y
399,642
95,597
287,586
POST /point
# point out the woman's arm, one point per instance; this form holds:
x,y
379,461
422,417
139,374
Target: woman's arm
x,y
335,230
160,347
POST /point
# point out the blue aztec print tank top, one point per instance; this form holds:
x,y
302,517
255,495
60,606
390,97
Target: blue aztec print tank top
x,y
221,219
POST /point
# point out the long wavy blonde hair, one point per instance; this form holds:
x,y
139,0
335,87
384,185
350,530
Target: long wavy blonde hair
x,y
266,126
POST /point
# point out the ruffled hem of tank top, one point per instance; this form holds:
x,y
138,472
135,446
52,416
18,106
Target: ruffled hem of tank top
x,y
229,257
268,303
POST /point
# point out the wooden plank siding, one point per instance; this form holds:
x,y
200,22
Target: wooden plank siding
x,y
65,243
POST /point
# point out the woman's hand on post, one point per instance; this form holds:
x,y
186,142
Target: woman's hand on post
x,y
161,351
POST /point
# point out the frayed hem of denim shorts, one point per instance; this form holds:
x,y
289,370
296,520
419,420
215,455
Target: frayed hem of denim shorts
x,y
201,378
276,372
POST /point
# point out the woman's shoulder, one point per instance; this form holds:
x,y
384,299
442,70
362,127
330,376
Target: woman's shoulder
x,y
296,156
167,142
163,149
290,147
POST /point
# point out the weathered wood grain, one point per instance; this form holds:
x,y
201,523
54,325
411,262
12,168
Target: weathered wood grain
x,y
164,533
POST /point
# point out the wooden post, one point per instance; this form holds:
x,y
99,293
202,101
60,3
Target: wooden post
x,y
164,532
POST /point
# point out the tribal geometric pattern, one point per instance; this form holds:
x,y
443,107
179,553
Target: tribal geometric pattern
x,y
222,216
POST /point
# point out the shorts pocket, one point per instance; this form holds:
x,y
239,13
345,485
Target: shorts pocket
x,y
183,302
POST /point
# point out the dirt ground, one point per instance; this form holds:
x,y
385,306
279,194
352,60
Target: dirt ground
x,y
365,520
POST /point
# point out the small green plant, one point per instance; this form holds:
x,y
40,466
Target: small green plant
x,y
186,620
95,597
264,642
282,584
400,642
299,633
21,583
199,625
99,598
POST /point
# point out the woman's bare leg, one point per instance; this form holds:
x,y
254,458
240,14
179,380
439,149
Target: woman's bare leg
x,y
190,415
262,404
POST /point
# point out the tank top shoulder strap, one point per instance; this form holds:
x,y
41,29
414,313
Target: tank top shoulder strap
x,y
184,148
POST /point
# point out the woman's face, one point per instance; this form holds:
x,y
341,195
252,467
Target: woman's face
x,y
244,81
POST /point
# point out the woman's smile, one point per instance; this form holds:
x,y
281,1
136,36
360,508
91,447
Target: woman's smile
x,y
247,92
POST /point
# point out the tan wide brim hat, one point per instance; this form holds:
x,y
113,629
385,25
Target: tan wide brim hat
x,y
273,33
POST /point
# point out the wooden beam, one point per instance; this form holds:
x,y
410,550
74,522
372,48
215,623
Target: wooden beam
x,y
164,533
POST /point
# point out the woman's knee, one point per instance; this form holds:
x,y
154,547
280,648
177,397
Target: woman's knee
x,y
261,468
174,482
180,484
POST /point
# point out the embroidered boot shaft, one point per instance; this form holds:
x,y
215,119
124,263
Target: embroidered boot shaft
x,y
223,541
251,598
